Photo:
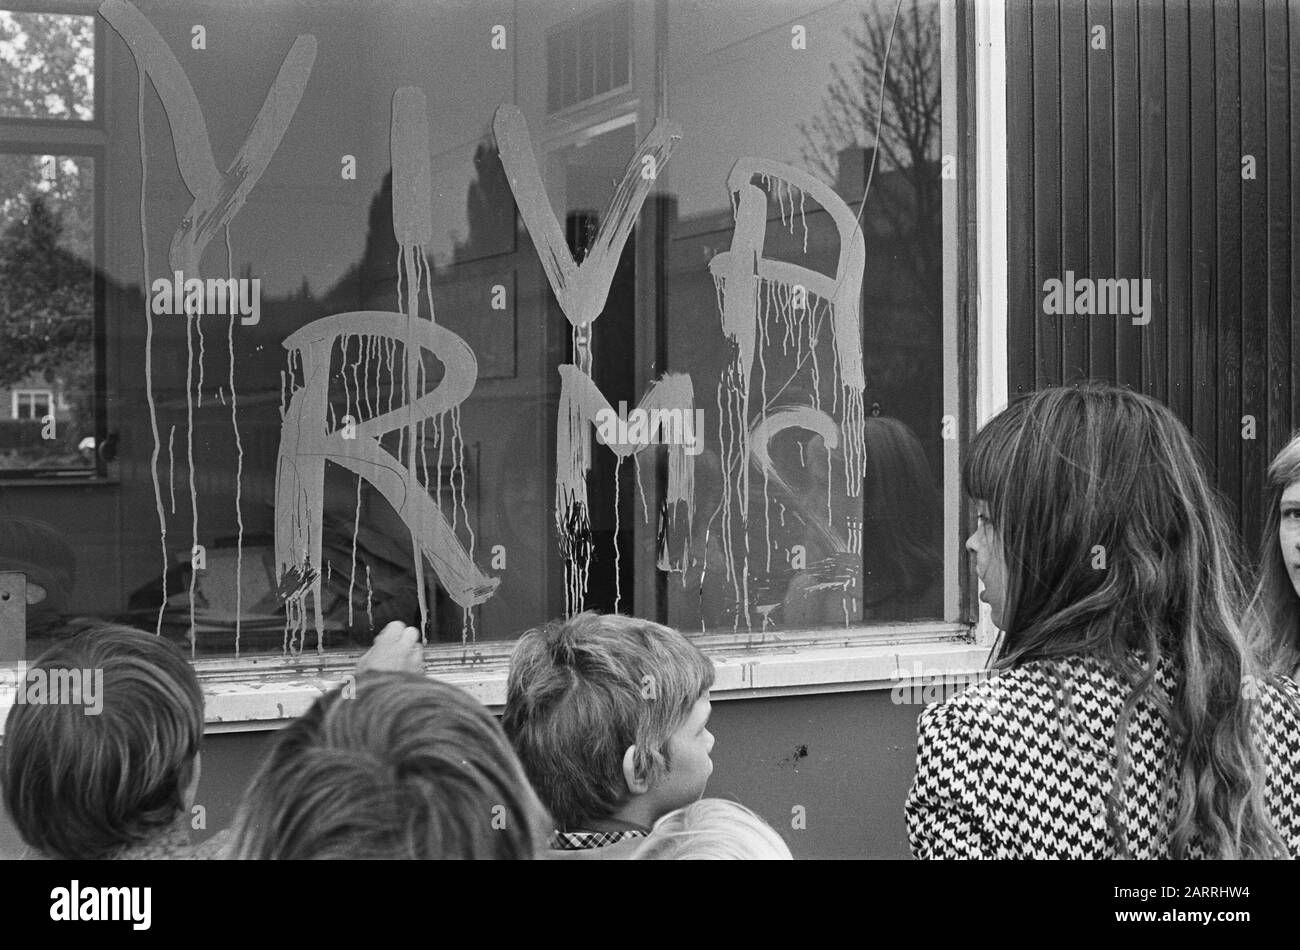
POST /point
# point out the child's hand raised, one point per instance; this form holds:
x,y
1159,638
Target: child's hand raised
x,y
396,649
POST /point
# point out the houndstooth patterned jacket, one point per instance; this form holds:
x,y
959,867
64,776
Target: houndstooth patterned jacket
x,y
1004,771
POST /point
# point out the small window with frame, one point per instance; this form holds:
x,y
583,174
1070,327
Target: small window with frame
x,y
31,404
48,342
51,339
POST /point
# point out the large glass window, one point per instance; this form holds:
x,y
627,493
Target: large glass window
x,y
820,485
475,313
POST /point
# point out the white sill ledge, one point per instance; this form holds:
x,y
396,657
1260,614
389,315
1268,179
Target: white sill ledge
x,y
262,695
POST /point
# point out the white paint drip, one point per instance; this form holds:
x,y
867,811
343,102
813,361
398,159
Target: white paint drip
x,y
618,590
217,197
239,459
171,465
582,291
753,290
189,456
198,389
352,572
580,403
300,493
408,254
370,601
148,350
458,441
645,509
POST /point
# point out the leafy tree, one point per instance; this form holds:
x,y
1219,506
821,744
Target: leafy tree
x,y
46,309
68,187
47,65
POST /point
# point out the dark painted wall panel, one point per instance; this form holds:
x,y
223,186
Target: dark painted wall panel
x,y
1169,154
1022,234
1101,131
1127,184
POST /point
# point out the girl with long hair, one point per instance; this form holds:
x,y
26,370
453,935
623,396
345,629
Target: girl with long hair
x,y
1274,618
1127,717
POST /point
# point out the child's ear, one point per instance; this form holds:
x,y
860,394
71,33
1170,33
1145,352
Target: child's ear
x,y
636,784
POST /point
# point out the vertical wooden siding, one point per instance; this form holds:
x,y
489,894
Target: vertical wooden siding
x,y
1127,162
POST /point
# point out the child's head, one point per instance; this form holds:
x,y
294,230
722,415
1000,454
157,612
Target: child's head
x,y
1275,613
713,829
1097,514
1101,534
607,711
85,779
396,766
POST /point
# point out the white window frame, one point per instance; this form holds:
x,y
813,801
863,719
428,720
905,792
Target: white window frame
x,y
16,398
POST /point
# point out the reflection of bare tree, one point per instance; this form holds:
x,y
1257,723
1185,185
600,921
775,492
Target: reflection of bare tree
x,y
906,193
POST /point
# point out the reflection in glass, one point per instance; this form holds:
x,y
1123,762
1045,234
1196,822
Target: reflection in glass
x,y
47,313
783,541
836,521
47,66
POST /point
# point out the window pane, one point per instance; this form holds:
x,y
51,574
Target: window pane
x,y
354,396
47,312
799,523
620,18
47,65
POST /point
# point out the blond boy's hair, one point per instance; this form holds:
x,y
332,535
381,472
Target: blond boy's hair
x,y
713,829
401,767
581,691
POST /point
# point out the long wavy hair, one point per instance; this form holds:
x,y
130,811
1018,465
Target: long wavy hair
x,y
1116,546
1273,625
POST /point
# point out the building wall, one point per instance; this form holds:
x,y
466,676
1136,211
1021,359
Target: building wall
x,y
1130,161
846,758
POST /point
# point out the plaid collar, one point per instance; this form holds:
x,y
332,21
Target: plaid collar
x,y
586,840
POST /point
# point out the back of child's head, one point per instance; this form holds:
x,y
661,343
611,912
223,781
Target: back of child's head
x,y
582,691
713,829
396,766
91,776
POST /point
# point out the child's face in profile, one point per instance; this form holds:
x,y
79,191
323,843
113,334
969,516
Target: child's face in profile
x,y
688,751
1289,532
989,563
